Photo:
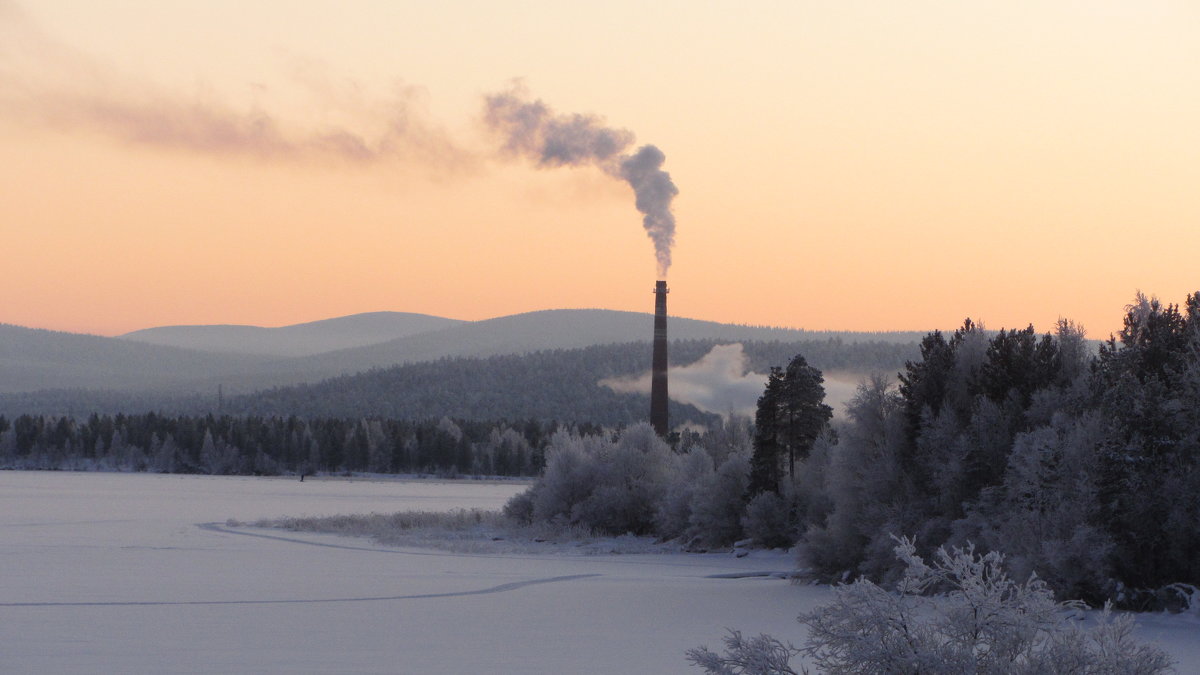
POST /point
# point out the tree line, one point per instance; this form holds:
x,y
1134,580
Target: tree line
x,y
256,445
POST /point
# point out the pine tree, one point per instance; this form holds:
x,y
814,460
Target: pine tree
x,y
802,410
764,463
791,415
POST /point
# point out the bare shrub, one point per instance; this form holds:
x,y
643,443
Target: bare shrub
x,y
959,614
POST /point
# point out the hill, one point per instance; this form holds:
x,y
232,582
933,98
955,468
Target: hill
x,y
51,372
302,339
531,332
32,358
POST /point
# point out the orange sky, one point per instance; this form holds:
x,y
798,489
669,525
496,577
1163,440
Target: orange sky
x,y
841,165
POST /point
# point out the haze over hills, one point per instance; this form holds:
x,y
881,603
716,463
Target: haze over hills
x,y
144,374
302,339
597,384
577,385
32,358
537,331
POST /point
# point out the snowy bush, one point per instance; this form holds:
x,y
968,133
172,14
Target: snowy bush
x,y
638,484
959,614
569,476
672,517
520,508
629,477
718,503
609,486
762,655
769,522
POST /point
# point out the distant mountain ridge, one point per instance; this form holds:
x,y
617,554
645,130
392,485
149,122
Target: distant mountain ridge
x,y
542,330
34,360
565,385
302,339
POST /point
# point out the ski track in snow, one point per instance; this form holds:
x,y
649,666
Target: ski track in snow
x,y
614,559
502,588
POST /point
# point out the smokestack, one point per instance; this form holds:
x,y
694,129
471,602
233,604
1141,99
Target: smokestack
x,y
658,377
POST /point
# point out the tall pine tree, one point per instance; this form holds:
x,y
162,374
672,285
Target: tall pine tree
x,y
791,415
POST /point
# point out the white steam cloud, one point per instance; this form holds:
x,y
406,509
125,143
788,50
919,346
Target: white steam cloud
x,y
532,130
719,383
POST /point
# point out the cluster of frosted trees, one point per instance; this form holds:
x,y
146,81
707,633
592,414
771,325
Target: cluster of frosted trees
x,y
272,445
634,482
1082,467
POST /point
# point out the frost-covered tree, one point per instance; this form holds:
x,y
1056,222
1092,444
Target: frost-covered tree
x,y
8,443
694,471
164,454
629,477
1045,515
719,503
568,478
1149,485
612,486
769,521
864,484
960,407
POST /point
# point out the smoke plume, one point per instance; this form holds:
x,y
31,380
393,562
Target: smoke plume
x,y
46,84
532,130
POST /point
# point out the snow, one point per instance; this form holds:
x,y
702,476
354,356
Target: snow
x,y
106,573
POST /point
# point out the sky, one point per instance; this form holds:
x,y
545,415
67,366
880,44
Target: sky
x,y
850,165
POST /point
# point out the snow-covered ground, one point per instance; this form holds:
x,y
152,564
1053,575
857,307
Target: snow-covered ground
x,y
104,573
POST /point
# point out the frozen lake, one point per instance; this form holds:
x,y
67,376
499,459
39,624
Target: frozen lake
x,y
105,573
